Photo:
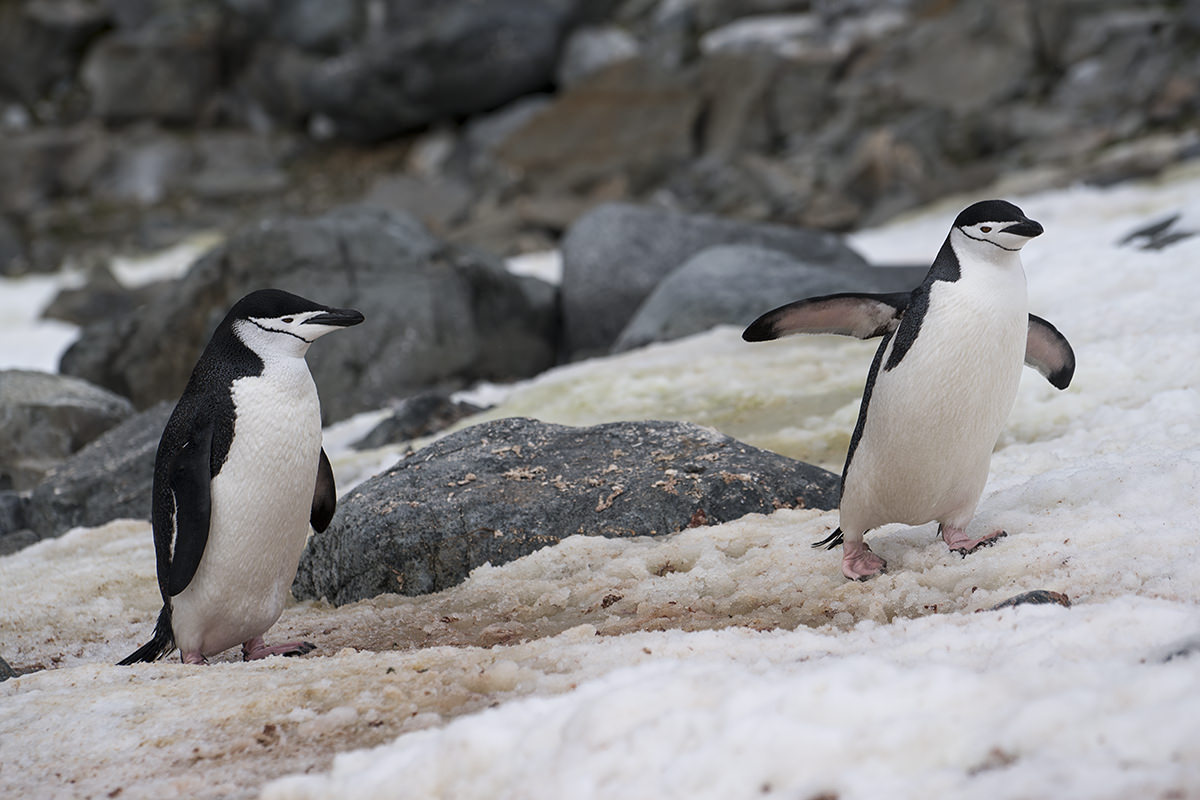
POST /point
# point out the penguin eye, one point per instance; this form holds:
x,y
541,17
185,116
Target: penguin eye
x,y
984,229
287,320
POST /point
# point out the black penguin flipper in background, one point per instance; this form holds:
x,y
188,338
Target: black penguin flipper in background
x,y
161,643
324,496
863,316
1049,352
191,479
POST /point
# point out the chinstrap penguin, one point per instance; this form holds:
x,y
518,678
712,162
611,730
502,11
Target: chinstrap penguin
x,y
238,477
941,385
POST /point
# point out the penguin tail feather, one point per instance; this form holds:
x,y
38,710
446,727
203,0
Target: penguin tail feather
x,y
831,541
161,643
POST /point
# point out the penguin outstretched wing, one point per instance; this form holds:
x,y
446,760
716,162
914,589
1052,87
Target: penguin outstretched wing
x,y
324,496
1049,352
190,478
863,316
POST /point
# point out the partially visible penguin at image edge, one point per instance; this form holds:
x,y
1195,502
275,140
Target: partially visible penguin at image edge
x,y
941,385
239,475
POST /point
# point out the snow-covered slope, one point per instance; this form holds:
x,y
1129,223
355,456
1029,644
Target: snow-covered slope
x,y
723,662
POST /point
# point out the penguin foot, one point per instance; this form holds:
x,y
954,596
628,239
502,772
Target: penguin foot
x,y
194,657
959,542
256,648
859,563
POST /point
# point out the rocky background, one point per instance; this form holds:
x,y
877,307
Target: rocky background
x,y
694,161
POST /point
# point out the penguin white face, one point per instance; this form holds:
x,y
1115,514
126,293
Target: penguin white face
x,y
997,223
271,321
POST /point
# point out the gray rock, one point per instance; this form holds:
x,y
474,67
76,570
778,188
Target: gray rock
x,y
500,490
109,479
436,315
101,298
420,415
44,418
590,49
317,25
734,284
167,75
614,257
441,60
43,42
17,540
6,671
12,248
633,118
1035,597
46,164
12,511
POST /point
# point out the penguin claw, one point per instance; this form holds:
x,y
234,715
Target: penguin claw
x,y
964,546
256,649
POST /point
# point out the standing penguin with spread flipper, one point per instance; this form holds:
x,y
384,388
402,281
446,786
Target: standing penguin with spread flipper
x,y
239,475
941,385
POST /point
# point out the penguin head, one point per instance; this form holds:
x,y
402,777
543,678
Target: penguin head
x,y
275,322
995,224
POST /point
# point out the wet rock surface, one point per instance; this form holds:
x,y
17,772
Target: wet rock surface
x,y
500,490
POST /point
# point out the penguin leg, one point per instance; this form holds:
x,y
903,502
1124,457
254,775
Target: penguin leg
x,y
858,562
256,648
193,657
958,540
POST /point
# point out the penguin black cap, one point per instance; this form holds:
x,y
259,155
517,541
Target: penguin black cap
x,y
272,303
999,211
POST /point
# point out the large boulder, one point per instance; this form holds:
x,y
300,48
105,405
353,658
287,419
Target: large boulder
x,y
734,284
614,257
497,491
109,479
438,61
44,418
437,316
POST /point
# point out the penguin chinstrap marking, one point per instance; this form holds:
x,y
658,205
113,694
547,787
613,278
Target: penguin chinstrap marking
x,y
942,382
239,476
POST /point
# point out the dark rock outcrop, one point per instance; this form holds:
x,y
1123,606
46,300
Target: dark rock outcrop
x,y
109,479
615,256
734,284
500,490
440,60
420,415
436,315
44,418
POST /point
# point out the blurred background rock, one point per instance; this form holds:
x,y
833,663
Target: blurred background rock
x,y
684,156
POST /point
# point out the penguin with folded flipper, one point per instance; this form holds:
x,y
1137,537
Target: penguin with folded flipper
x,y
942,382
238,477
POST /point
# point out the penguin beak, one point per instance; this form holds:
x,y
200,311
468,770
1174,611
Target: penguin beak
x,y
1026,227
337,317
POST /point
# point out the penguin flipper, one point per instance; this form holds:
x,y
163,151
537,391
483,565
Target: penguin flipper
x,y
863,316
324,496
190,479
1049,352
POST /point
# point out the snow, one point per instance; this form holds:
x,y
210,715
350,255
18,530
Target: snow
x,y
722,662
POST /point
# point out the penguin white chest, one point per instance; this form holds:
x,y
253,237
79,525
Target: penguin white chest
x,y
261,501
933,419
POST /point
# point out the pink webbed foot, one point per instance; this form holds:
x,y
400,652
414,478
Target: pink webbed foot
x,y
195,657
256,648
859,563
959,542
